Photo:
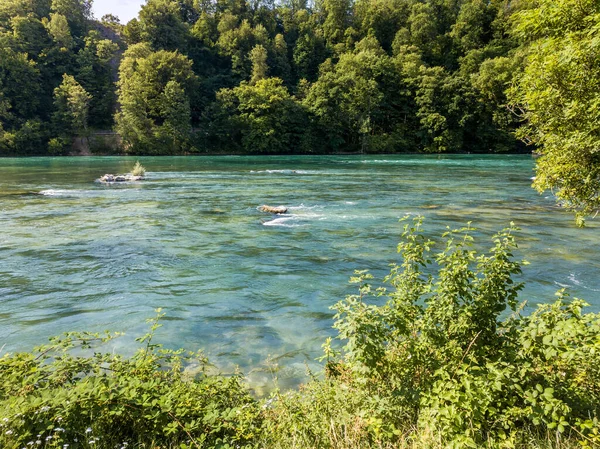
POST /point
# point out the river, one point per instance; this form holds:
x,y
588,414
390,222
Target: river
x,y
251,289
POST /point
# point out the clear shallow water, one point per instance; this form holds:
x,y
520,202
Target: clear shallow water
x,y
244,285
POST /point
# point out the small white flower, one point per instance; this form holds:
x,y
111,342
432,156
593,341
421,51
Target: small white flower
x,y
65,446
59,429
38,442
92,442
9,432
88,430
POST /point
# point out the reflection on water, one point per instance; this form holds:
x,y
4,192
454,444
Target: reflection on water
x,y
250,288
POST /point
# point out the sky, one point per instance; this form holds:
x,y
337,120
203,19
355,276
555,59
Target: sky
x,y
123,9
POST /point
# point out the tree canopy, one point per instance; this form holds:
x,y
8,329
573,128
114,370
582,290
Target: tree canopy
x,y
558,95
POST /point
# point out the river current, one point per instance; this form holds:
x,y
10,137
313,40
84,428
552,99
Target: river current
x,y
251,289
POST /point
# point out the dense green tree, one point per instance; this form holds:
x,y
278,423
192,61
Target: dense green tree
x,y
162,25
370,75
58,27
337,19
237,42
77,12
19,78
71,114
309,50
384,18
175,112
29,35
559,97
95,74
355,98
258,57
265,116
149,114
279,63
132,32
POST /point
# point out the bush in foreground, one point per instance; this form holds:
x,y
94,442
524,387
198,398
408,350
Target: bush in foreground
x,y
448,360
53,399
445,360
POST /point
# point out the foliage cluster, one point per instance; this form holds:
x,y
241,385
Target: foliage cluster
x,y
56,77
294,77
370,75
440,357
51,398
559,93
451,352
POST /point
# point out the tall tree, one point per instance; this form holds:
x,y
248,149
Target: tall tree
x,y
71,103
265,116
161,24
559,97
149,111
258,57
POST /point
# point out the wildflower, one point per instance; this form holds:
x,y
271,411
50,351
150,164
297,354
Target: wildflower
x,y
65,446
49,437
59,429
38,442
88,430
9,432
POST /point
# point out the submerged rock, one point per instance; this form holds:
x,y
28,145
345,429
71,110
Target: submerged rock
x,y
273,209
108,178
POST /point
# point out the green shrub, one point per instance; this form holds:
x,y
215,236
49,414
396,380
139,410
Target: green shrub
x,y
59,146
51,398
446,355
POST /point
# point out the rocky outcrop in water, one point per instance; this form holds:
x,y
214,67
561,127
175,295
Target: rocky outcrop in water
x,y
273,209
109,179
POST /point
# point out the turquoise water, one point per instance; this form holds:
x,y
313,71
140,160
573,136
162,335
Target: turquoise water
x,y
247,286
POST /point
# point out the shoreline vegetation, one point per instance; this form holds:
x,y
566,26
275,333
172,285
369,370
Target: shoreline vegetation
x,y
447,360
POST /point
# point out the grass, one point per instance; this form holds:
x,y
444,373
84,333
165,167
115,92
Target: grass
x,y
138,169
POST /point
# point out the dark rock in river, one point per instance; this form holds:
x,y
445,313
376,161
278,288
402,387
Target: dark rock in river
x,y
273,209
108,178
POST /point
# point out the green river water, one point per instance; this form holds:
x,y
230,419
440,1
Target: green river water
x,y
246,286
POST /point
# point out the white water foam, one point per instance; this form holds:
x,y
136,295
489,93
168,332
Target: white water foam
x,y
282,221
288,172
303,207
52,192
573,278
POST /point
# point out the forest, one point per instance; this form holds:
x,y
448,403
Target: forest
x,y
237,76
